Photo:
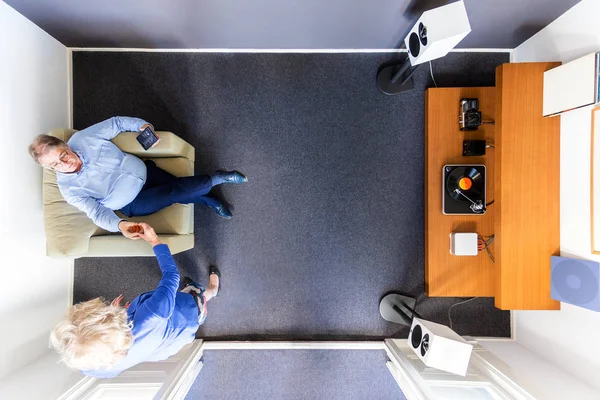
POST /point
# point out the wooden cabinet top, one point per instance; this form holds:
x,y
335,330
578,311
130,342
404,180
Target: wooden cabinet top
x,y
527,179
523,180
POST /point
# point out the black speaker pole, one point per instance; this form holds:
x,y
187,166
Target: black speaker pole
x,y
407,319
393,80
414,313
405,66
395,307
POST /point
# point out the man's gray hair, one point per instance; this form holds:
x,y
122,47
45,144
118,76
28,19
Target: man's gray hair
x,y
41,144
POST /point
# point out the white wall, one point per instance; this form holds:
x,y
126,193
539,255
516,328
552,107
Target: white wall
x,y
35,290
44,379
537,376
568,337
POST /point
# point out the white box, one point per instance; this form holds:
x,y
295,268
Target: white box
x,y
463,244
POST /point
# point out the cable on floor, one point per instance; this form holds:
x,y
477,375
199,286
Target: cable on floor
x,y
456,304
431,72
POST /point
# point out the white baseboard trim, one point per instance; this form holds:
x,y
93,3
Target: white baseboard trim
x,y
256,345
70,294
513,325
487,50
276,51
229,50
492,339
70,88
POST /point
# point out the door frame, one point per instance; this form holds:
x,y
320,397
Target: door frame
x,y
173,386
179,383
407,377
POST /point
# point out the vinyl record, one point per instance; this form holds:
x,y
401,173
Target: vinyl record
x,y
466,180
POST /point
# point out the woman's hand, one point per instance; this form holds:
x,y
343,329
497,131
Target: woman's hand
x,y
128,230
117,301
149,235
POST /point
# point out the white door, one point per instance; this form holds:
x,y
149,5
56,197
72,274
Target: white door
x,y
165,380
419,382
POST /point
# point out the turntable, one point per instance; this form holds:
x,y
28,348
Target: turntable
x,y
463,189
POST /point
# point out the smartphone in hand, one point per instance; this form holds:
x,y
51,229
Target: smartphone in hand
x,y
148,138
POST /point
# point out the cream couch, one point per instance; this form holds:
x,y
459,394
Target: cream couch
x,y
70,233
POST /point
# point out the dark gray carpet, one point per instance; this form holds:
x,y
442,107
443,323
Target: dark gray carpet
x,y
295,374
332,218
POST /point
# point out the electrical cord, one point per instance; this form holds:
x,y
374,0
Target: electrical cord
x,y
454,305
431,72
484,243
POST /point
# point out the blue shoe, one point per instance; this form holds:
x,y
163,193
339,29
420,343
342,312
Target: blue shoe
x,y
223,212
230,177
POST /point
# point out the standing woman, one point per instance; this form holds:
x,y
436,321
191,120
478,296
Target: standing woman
x,y
104,339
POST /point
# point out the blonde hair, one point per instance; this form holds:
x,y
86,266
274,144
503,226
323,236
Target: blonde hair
x,y
95,335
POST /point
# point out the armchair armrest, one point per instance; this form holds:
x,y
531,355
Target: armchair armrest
x,y
170,145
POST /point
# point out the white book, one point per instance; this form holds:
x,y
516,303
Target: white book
x,y
571,85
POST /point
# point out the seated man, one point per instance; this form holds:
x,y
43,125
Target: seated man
x,y
102,340
95,176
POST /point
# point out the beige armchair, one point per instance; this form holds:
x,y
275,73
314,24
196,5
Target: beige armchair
x,y
70,233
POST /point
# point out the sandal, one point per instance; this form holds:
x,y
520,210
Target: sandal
x,y
215,271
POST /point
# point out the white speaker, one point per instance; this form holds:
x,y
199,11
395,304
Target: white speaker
x,y
437,32
439,346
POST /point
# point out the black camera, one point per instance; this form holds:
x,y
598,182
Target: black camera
x,y
470,116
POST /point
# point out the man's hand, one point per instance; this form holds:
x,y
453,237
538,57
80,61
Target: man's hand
x,y
143,128
124,228
149,235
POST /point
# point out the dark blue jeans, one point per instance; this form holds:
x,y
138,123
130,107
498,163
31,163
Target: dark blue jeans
x,y
163,189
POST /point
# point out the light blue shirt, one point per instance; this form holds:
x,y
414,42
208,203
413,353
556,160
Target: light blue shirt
x,y
164,320
109,179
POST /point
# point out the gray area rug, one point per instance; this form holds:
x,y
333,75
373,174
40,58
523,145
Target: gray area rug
x,y
332,217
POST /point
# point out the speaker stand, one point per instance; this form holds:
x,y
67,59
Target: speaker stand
x,y
398,308
393,79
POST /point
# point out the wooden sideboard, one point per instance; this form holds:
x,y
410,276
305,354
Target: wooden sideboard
x,y
523,173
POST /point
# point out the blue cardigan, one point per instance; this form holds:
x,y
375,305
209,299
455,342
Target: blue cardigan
x,y
164,320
